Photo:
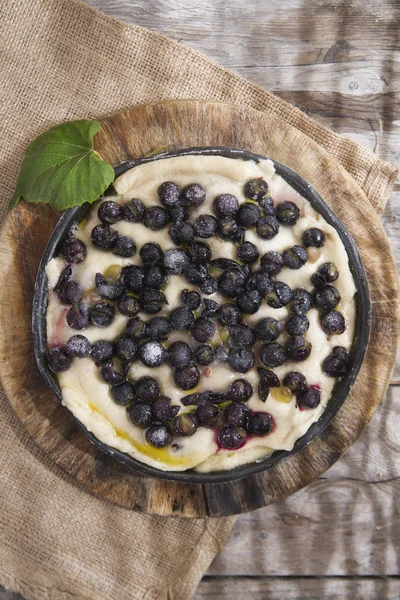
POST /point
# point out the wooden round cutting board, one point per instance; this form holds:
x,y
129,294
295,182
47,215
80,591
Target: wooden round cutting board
x,y
173,125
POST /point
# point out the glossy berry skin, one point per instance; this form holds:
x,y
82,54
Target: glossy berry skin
x,y
74,250
185,424
204,355
336,364
125,348
210,311
191,299
298,349
201,398
309,398
147,389
102,351
242,335
272,263
267,227
272,355
78,345
152,354
241,359
248,301
124,393
301,301
327,273
236,415
199,253
313,237
175,260
260,423
268,329
109,212
247,215
181,318
178,213
231,282
181,232
169,194
287,213
112,373
228,229
59,359
210,306
295,381
78,316
280,295
269,377
195,274
231,437
152,301
221,354
103,238
110,290
102,314
248,253
229,314
156,218
333,322
193,195
162,410
256,189
158,328
207,414
158,436
140,414
209,286
203,329
205,226
267,206
137,328
226,205
240,390
132,277
186,378
133,211
151,253
259,281
294,258
69,293
297,325
180,354
155,277
326,298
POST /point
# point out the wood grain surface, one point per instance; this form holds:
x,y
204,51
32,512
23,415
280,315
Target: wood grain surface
x,y
324,39
176,124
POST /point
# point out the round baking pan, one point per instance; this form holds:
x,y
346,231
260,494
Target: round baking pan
x,y
341,389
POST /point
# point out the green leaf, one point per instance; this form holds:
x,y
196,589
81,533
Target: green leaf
x,y
61,168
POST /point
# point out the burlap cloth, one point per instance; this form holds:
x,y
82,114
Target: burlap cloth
x,y
62,60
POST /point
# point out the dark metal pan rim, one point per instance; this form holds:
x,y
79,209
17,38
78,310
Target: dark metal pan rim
x,y
343,386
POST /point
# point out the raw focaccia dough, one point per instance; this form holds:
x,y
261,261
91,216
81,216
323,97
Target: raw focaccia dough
x,y
88,397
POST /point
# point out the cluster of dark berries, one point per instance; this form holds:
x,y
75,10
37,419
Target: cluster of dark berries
x,y
326,297
138,288
229,413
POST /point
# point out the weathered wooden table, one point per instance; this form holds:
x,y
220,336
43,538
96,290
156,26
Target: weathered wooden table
x,y
338,60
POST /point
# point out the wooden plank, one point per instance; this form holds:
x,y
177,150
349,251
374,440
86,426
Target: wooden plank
x,y
353,508
299,588
336,62
333,527
375,457
259,33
